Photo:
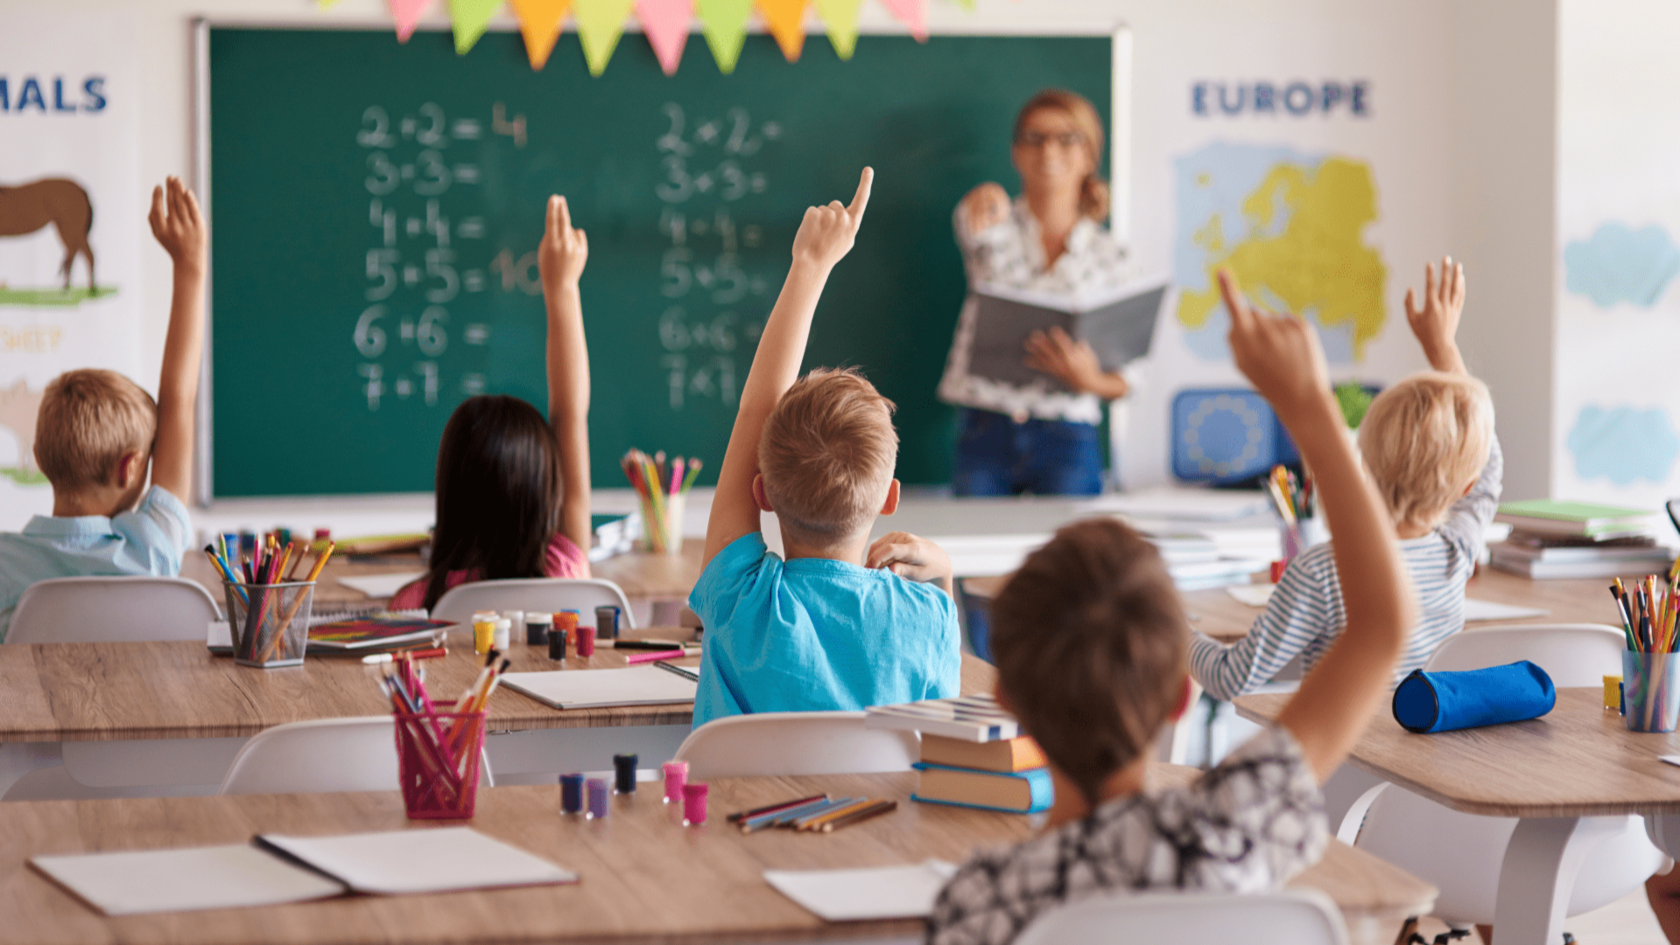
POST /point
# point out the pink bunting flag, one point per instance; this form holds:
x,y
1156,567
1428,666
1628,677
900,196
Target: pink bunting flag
x,y
539,23
665,22
407,15
785,19
912,13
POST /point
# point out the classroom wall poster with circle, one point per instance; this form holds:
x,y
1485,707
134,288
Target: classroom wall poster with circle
x,y
1309,158
71,221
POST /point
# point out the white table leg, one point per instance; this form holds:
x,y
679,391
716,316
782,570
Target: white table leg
x,y
1538,874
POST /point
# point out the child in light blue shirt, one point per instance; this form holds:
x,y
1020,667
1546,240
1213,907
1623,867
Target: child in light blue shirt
x,y
99,433
841,624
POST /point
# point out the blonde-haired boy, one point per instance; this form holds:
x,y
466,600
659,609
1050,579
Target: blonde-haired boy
x,y
1429,446
98,433
839,624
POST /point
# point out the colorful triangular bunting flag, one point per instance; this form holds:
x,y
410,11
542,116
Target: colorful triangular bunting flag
x,y
786,21
665,22
407,15
539,23
599,24
724,22
841,17
469,18
912,13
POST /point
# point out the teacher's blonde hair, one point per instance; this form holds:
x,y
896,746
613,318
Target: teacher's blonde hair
x,y
1093,191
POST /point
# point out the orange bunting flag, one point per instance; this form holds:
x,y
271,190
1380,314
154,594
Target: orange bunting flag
x,y
407,15
841,17
539,23
912,13
665,22
469,18
786,21
599,25
724,23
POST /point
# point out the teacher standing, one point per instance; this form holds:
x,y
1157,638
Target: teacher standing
x,y
1037,438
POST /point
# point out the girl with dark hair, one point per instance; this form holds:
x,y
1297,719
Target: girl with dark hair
x,y
512,489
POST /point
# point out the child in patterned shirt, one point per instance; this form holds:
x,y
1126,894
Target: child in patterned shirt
x,y
1091,642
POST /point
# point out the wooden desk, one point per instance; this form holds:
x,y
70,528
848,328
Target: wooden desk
x,y
1578,761
64,692
645,878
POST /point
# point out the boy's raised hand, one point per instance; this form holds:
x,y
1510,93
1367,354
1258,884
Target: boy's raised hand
x,y
826,234
1435,322
1280,354
177,224
564,250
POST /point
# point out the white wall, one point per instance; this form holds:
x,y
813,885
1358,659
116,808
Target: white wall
x,y
1501,107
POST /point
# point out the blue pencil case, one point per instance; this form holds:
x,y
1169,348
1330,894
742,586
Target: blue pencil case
x,y
1448,701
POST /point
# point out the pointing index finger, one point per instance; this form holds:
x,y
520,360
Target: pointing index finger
x,y
860,200
565,216
1241,317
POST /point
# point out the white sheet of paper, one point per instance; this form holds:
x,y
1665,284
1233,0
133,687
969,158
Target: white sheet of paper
x,y
1254,595
884,892
585,688
401,862
1488,610
1185,503
380,585
225,877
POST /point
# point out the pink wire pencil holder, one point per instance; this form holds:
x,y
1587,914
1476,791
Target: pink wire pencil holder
x,y
437,760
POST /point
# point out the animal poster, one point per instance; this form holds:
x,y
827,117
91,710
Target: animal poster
x,y
72,217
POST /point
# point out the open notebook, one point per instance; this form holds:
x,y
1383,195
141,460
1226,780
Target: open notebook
x,y
882,892
276,868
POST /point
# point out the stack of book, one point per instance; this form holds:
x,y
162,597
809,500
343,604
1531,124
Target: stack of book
x,y
973,754
1553,539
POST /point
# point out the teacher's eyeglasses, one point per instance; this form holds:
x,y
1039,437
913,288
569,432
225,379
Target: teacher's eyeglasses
x,y
1038,139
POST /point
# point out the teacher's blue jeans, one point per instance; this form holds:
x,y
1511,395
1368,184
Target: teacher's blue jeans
x,y
997,456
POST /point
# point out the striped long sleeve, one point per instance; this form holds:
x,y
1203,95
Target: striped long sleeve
x,y
1305,614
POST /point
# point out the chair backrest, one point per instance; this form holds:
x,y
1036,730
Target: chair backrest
x,y
323,756
1291,917
552,594
112,610
1573,654
788,743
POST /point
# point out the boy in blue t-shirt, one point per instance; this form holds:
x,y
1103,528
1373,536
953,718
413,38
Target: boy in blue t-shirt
x,y
840,624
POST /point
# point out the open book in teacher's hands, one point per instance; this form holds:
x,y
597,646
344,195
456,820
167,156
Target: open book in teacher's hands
x,y
1118,323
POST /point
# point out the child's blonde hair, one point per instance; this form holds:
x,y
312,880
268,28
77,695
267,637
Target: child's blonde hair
x,y
1424,440
89,419
827,454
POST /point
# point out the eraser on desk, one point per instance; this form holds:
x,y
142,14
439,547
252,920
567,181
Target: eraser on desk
x,y
1671,759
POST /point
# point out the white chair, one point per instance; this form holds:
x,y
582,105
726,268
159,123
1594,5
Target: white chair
x,y
112,610
553,594
323,756
788,743
1463,854
1292,917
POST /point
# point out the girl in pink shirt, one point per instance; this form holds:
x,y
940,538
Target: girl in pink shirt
x,y
513,489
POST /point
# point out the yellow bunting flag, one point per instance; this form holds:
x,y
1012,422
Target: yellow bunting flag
x,y
665,23
324,4
599,25
912,13
786,21
406,14
469,18
841,17
724,22
539,23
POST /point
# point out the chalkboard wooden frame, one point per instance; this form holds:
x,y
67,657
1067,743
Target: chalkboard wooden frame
x,y
1119,169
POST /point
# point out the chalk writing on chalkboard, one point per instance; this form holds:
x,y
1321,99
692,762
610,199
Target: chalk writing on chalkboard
x,y
701,274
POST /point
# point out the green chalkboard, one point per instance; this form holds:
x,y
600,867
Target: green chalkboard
x,y
376,207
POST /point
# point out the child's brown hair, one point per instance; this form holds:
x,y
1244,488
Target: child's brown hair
x,y
1092,648
827,454
89,419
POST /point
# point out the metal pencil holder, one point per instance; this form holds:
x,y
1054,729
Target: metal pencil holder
x,y
269,622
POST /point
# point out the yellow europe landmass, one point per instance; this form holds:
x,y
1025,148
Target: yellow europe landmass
x,y
1318,261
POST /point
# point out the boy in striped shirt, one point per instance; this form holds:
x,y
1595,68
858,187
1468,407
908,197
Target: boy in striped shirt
x,y
1429,445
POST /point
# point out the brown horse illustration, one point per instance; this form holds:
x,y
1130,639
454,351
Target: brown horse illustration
x,y
26,208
